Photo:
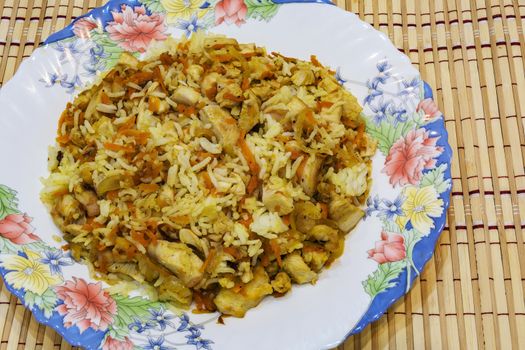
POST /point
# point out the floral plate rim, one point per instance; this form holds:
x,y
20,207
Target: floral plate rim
x,y
378,304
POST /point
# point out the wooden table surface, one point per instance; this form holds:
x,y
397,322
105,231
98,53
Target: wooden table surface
x,y
471,294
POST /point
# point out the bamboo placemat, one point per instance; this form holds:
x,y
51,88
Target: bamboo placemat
x,y
471,294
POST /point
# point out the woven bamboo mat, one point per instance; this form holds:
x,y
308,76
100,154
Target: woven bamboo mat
x,y
471,294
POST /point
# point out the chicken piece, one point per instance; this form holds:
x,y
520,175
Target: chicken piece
x,y
69,208
329,84
147,267
262,91
277,201
306,216
219,42
345,214
236,304
290,240
327,234
332,114
174,291
179,259
186,95
195,72
295,106
209,85
128,60
231,95
315,256
250,110
295,266
260,68
156,105
303,76
127,269
113,182
282,283
308,179
224,126
351,109
88,199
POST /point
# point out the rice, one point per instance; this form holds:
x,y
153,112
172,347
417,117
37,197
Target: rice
x,y
210,169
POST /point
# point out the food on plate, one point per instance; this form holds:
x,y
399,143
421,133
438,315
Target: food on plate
x,y
212,171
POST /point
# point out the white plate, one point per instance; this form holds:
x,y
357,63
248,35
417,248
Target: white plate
x,y
405,213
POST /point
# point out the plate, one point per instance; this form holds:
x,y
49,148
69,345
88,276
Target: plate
x,y
383,255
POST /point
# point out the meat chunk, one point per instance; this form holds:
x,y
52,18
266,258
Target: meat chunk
x,y
277,201
282,283
236,304
326,234
345,214
308,179
315,256
69,208
88,199
306,215
224,126
250,110
173,290
179,259
295,266
186,95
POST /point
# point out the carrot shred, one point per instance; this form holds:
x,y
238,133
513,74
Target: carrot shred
x,y
286,219
359,137
129,124
300,168
181,219
148,188
139,237
246,222
154,104
151,236
63,139
114,147
309,115
324,210
208,259
207,181
315,61
203,302
232,97
323,104
233,251
141,137
104,98
112,195
237,288
141,77
248,155
276,251
245,83
252,184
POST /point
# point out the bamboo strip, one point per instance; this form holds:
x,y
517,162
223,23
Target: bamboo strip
x,y
471,52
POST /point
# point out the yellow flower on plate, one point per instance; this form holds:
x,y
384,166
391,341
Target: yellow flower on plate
x,y
29,274
420,206
182,9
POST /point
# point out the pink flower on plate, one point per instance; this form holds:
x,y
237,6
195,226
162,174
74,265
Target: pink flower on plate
x,y
16,228
230,11
85,305
83,26
390,248
134,30
430,108
410,155
115,344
